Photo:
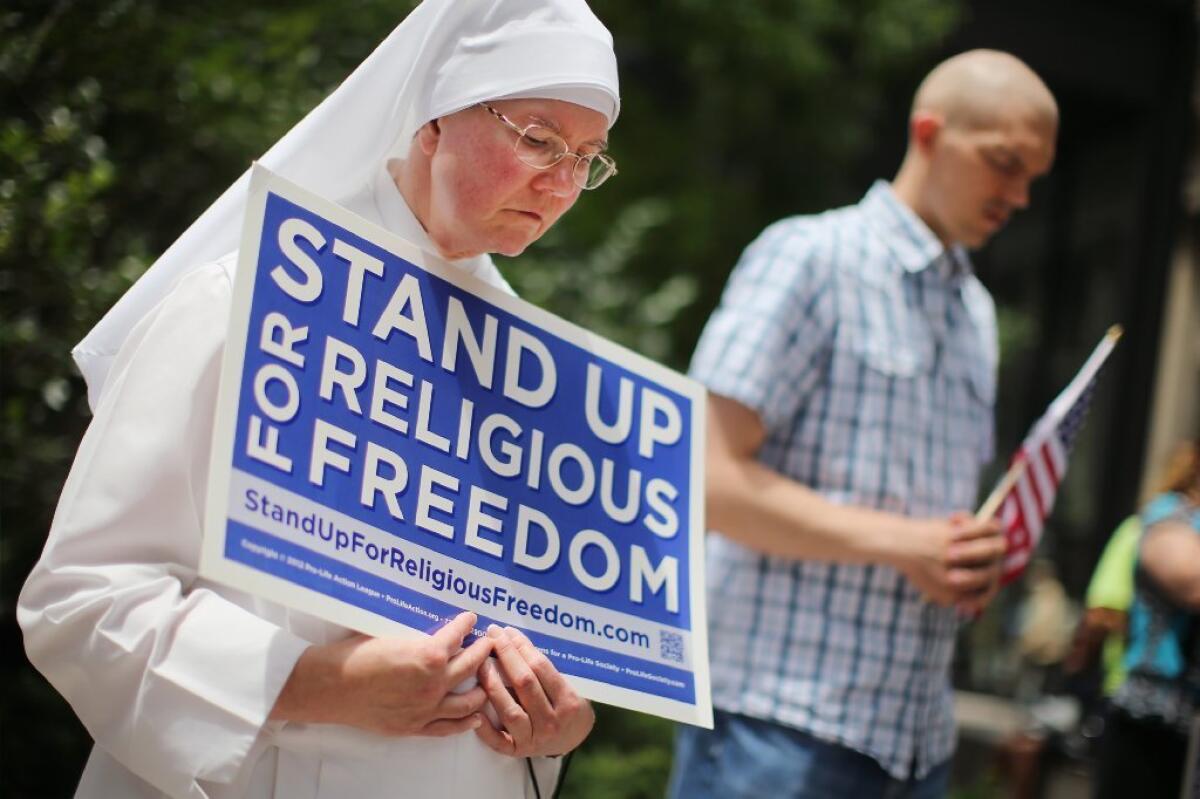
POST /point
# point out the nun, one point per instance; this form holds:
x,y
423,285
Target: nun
x,y
470,130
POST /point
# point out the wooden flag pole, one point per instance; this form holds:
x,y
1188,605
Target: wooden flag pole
x,y
992,503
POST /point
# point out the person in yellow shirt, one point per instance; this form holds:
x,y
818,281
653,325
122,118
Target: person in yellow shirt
x,y
1101,630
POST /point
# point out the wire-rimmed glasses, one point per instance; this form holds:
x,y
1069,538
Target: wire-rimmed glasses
x,y
541,148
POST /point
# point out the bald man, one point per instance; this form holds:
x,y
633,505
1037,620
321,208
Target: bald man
x,y
852,366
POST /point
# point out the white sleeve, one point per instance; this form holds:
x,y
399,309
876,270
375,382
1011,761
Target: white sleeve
x,y
172,679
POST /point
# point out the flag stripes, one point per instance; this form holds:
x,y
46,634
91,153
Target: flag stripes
x,y
1044,452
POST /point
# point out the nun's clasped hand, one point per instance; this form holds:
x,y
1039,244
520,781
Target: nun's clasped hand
x,y
541,714
390,686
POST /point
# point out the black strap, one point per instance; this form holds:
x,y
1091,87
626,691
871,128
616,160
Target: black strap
x,y
562,774
537,792
558,784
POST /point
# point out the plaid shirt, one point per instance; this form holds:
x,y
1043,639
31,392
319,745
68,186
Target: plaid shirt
x,y
869,351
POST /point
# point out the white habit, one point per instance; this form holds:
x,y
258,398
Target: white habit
x,y
174,677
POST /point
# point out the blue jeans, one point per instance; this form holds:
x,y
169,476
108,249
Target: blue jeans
x,y
746,757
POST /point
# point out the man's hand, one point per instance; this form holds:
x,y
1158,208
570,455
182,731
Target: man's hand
x,y
390,686
546,717
955,561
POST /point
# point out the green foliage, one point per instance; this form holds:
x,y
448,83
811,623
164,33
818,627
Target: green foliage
x,y
122,121
125,118
628,756
735,114
593,288
988,786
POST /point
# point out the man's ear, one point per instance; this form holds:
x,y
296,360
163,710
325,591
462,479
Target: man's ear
x,y
428,136
923,129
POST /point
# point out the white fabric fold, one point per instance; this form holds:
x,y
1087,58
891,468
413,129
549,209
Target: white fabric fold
x,y
167,673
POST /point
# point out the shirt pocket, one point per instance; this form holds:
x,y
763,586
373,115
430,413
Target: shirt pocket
x,y
894,360
897,394
880,412
888,337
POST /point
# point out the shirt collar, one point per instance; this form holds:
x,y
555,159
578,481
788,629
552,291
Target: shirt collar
x,y
913,244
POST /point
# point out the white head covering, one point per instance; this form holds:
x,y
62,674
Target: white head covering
x,y
445,56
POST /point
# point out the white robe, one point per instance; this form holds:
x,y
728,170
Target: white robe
x,y
172,675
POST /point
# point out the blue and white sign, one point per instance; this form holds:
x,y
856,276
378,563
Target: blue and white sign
x,y
397,441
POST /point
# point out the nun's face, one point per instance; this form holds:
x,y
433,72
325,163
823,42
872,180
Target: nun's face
x,y
481,197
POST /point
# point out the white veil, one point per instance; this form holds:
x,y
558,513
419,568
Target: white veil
x,y
445,56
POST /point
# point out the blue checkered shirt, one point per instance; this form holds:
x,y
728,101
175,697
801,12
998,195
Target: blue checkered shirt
x,y
869,351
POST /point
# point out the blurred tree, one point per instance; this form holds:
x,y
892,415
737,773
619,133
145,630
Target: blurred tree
x,y
123,119
735,114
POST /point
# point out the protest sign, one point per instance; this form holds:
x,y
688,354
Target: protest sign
x,y
397,441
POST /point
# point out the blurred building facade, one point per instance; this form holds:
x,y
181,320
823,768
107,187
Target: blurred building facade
x,y
1112,236
1175,411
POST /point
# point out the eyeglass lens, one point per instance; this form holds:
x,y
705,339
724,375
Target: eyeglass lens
x,y
543,148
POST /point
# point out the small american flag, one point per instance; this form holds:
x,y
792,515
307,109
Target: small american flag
x,y
1026,494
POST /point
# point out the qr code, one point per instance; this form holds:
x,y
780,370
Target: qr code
x,y
670,645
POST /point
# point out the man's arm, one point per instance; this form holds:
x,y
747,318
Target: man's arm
x,y
952,561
